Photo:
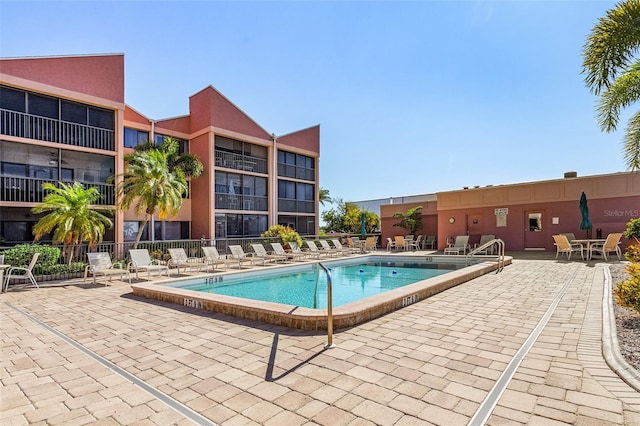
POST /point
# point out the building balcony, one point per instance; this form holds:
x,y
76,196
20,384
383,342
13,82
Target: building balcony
x,y
241,162
241,202
296,206
291,171
29,126
29,190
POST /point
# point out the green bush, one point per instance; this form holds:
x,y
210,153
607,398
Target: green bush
x,y
48,261
628,292
285,233
633,229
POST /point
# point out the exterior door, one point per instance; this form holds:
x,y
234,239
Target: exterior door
x,y
534,232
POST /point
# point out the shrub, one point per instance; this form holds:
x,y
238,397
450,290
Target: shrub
x,y
628,292
285,233
633,230
48,261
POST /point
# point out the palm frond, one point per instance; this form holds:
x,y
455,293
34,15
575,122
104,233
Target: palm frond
x,y
632,142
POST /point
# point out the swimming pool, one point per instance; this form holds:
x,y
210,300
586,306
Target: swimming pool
x,y
306,286
296,316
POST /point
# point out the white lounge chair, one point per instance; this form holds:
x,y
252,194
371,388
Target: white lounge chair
x,y
297,250
609,246
461,244
484,239
261,253
313,248
28,273
100,264
346,250
180,259
238,255
212,257
141,261
278,249
430,242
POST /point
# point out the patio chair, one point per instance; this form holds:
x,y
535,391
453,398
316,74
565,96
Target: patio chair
x,y
371,244
609,246
399,242
279,250
313,248
180,259
100,264
141,261
28,272
461,243
570,236
564,246
324,246
415,244
261,253
213,258
390,244
295,249
430,242
238,255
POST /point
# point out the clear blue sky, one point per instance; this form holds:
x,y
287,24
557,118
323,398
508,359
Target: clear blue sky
x,y
412,97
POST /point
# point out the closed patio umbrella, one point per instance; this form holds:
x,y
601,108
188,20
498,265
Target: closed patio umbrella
x,y
363,222
584,210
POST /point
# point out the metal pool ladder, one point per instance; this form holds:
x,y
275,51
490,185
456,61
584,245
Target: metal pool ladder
x,y
329,308
500,249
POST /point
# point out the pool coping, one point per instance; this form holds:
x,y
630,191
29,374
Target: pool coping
x,y
296,317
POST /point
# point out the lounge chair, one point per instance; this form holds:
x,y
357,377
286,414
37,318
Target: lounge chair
x,y
609,246
461,243
141,261
28,272
295,249
213,258
261,253
564,246
100,264
324,246
238,255
430,242
346,250
484,239
279,250
313,248
180,259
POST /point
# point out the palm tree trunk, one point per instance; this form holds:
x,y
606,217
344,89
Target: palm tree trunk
x,y
140,231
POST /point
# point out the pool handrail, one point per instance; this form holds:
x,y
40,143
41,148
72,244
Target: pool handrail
x,y
329,308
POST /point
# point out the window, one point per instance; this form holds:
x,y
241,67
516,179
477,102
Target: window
x,y
73,112
102,118
13,100
183,145
43,106
133,137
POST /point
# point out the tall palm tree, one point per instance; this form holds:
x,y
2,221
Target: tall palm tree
x,y
189,164
612,68
71,215
150,186
324,197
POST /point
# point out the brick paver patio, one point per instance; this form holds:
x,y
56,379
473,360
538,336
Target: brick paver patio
x,y
434,362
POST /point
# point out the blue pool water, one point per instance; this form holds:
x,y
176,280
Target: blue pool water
x,y
306,286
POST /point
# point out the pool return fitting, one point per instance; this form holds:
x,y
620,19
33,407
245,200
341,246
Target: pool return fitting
x,y
329,344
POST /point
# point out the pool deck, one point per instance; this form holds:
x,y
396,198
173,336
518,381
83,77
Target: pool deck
x,y
526,346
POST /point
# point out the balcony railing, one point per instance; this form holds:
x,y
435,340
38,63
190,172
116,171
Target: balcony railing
x,y
29,190
241,202
289,170
241,162
29,126
296,206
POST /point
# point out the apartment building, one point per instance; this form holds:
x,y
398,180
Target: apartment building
x,y
65,119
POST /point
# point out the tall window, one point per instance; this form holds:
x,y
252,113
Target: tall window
x,y
134,137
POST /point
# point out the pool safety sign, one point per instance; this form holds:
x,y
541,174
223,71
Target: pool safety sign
x,y
501,217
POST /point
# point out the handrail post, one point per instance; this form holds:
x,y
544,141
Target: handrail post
x,y
329,309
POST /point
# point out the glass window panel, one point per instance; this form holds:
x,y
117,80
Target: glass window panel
x,y
130,138
13,100
221,225
43,106
248,184
130,230
143,137
14,169
102,118
261,187
74,113
280,156
67,174
172,231
290,158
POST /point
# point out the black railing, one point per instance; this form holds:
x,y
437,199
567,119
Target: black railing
x,y
29,190
29,126
241,162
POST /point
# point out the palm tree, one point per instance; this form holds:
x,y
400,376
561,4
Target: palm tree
x,y
324,197
411,220
190,164
149,184
612,70
71,215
